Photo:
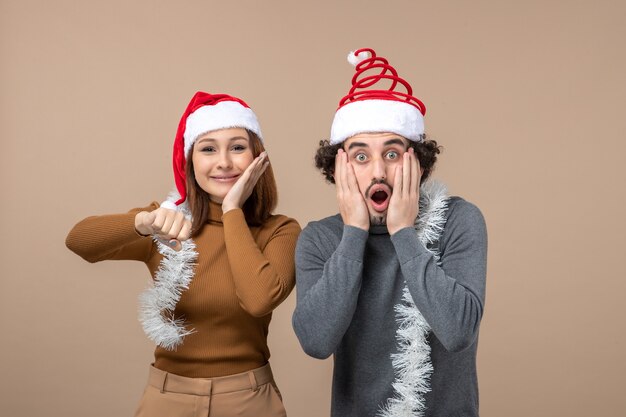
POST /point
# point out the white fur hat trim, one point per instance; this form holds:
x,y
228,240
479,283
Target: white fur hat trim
x,y
223,115
375,116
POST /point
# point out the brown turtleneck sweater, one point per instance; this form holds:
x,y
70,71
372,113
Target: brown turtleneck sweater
x,y
242,274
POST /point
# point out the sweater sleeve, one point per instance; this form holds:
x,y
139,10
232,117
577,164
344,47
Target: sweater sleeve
x,y
450,296
111,236
263,277
328,280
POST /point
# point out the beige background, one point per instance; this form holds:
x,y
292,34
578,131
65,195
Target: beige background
x,y
527,98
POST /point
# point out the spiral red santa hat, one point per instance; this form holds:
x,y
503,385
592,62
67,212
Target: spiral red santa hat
x,y
378,101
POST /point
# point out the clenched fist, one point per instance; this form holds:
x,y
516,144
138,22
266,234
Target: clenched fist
x,y
169,226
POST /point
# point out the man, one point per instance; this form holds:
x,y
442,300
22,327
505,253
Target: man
x,y
394,285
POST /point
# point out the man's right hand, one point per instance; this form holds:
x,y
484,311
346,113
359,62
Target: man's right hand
x,y
169,226
352,206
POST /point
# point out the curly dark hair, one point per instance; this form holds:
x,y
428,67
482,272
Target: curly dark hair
x,y
426,151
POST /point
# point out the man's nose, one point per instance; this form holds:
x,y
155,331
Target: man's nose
x,y
379,170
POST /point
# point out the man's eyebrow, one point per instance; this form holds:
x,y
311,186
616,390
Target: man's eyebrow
x,y
394,142
360,144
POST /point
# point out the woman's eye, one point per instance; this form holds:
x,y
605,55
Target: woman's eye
x,y
392,155
239,148
208,149
361,157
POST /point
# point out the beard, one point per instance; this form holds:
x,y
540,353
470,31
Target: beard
x,y
378,219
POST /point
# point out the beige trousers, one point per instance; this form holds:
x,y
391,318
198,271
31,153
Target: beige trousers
x,y
248,394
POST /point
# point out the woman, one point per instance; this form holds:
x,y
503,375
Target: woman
x,y
220,262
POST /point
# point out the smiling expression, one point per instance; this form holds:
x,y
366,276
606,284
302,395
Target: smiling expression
x,y
220,157
374,157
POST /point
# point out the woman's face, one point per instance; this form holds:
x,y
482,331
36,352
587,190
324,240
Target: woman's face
x,y
220,157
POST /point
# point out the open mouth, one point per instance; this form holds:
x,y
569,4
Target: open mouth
x,y
380,199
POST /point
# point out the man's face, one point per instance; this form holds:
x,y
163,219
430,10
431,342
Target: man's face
x,y
374,157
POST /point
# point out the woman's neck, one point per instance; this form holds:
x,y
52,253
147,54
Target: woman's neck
x,y
215,212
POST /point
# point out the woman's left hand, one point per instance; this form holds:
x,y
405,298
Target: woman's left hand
x,y
242,189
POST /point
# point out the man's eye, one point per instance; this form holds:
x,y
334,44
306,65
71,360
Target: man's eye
x,y
392,155
361,157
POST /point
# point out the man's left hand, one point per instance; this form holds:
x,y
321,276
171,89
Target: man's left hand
x,y
404,203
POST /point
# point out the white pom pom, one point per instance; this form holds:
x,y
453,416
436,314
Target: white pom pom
x,y
357,59
169,204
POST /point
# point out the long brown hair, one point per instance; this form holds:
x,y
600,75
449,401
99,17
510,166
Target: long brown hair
x,y
257,208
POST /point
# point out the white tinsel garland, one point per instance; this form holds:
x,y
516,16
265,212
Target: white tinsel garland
x,y
157,303
412,364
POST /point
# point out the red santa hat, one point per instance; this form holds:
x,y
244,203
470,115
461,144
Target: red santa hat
x,y
375,103
206,112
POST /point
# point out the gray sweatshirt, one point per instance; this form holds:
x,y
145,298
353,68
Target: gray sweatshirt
x,y
348,281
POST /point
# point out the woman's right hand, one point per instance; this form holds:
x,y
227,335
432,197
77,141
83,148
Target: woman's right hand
x,y
169,226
